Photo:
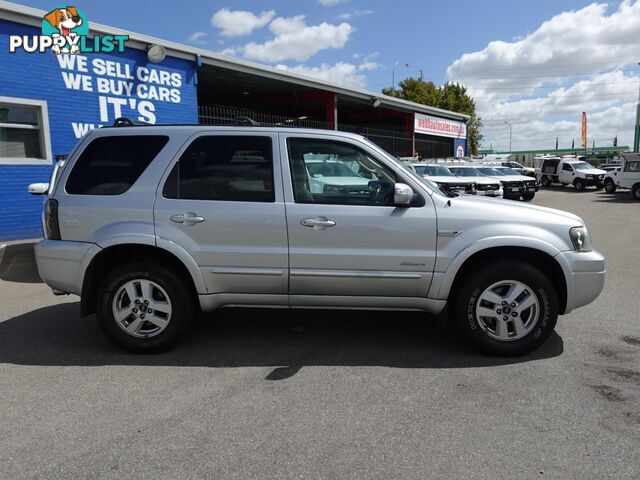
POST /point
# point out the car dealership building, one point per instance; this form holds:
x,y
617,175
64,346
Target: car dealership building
x,y
48,101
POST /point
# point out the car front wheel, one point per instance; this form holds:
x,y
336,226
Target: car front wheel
x,y
609,186
144,307
635,191
579,185
528,196
508,308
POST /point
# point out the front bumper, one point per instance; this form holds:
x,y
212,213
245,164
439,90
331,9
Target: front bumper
x,y
491,193
595,181
585,273
61,265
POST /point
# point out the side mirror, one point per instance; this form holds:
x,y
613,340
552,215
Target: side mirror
x,y
38,188
402,195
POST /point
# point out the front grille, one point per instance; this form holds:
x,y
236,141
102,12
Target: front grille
x,y
483,188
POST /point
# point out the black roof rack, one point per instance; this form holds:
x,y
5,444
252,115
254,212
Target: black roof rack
x,y
246,122
128,122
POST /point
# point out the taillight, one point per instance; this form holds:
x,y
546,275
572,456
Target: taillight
x,y
51,225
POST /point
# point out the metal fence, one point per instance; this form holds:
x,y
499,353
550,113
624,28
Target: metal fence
x,y
395,142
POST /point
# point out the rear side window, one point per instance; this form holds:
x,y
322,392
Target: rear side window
x,y
221,168
111,165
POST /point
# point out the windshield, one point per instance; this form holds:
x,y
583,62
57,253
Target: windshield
x,y
466,172
330,169
582,166
495,172
433,170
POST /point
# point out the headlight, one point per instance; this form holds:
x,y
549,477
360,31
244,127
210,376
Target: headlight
x,y
580,238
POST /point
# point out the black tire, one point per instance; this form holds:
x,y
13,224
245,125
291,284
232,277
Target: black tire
x,y
635,191
544,181
182,307
609,186
579,185
527,197
468,295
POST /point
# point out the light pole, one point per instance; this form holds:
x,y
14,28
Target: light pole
x,y
393,74
636,136
510,131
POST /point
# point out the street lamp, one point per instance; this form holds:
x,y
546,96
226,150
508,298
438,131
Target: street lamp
x,y
393,74
510,131
636,136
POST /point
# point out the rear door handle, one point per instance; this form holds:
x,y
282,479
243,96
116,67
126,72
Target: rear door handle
x,y
319,223
188,218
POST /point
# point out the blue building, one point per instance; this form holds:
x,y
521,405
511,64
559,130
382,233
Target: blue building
x,y
48,101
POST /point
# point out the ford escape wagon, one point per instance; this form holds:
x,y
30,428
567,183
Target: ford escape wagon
x,y
150,224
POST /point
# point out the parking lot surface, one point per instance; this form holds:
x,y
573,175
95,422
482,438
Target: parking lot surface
x,y
326,394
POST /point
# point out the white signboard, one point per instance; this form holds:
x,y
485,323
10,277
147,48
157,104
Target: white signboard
x,y
439,127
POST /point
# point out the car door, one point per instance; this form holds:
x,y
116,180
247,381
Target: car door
x,y
349,240
221,201
567,174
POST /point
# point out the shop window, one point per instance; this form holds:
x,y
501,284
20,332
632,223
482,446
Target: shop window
x,y
24,131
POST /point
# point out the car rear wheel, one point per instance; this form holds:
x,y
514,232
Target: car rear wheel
x,y
579,185
635,191
507,308
144,307
609,186
544,181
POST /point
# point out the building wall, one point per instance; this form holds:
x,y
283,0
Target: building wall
x,y
81,92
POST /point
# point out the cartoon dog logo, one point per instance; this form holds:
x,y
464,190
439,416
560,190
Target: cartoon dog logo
x,y
64,19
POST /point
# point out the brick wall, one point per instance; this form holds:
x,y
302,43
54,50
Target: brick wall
x,y
35,76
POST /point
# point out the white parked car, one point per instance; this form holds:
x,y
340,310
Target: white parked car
x,y
569,171
625,176
513,184
442,176
487,186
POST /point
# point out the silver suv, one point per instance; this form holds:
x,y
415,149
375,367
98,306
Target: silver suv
x,y
149,224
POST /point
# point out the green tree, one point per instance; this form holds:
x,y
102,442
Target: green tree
x,y
416,90
450,96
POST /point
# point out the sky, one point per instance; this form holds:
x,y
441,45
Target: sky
x,y
534,64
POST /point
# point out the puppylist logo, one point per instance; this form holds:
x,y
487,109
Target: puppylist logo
x,y
65,30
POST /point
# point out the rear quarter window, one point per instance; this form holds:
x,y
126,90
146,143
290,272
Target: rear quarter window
x,y
111,165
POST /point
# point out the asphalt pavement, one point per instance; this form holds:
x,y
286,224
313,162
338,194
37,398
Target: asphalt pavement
x,y
326,394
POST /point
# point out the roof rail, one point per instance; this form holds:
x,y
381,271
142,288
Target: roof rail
x,y
128,122
245,122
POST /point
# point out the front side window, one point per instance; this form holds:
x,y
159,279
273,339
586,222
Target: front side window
x,y
567,168
332,172
633,167
22,135
233,168
111,165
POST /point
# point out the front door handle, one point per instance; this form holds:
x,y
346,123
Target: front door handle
x,y
318,223
188,218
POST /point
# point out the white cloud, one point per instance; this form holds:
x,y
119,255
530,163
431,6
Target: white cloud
x,y
197,38
295,40
329,3
235,23
355,13
542,81
341,73
230,51
584,41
